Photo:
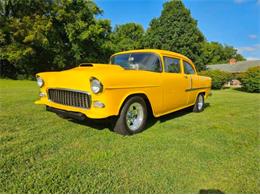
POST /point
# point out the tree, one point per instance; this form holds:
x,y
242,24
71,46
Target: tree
x,y
216,53
127,37
38,35
176,30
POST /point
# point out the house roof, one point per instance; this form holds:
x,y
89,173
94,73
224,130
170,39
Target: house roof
x,y
237,67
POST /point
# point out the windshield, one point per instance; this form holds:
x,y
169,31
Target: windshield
x,y
138,61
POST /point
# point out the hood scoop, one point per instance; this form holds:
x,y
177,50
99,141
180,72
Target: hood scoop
x,y
99,67
86,65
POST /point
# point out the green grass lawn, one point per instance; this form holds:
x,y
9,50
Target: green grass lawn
x,y
184,152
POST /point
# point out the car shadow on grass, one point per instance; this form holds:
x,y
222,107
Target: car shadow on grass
x,y
98,124
171,116
102,124
210,191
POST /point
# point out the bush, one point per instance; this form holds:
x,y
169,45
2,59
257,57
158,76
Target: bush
x,y
239,76
219,78
251,79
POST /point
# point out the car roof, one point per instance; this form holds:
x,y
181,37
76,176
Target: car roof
x,y
158,51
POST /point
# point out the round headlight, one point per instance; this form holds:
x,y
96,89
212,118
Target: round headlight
x,y
40,81
96,85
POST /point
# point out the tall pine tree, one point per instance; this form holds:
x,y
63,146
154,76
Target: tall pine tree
x,y
177,31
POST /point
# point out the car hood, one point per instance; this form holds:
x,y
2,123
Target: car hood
x,y
87,69
84,70
111,76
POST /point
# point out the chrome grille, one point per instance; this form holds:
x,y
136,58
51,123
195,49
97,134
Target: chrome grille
x,y
69,97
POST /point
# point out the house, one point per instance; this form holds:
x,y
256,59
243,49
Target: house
x,y
234,68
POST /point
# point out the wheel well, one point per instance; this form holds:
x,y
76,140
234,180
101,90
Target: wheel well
x,y
203,93
147,102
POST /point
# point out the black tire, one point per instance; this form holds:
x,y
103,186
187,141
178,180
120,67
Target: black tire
x,y
120,124
197,107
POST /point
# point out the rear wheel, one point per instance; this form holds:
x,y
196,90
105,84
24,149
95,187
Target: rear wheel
x,y
132,118
199,105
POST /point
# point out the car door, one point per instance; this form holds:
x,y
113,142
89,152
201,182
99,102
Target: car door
x,y
174,84
190,74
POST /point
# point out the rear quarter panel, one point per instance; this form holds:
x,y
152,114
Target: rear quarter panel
x,y
203,84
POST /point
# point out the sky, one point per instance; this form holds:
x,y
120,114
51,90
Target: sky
x,y
231,22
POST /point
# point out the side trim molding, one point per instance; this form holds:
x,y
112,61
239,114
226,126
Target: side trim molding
x,y
131,87
193,89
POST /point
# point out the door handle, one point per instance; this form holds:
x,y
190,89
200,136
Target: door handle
x,y
185,76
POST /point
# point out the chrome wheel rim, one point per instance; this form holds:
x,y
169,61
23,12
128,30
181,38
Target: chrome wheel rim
x,y
200,102
134,116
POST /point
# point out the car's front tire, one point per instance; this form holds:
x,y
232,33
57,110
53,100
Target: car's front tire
x,y
132,118
199,105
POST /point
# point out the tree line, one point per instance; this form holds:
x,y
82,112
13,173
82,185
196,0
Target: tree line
x,y
47,35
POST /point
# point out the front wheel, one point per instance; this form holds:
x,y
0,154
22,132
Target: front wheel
x,y
199,105
132,118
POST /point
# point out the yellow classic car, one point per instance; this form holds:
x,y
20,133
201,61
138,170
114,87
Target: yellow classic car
x,y
134,84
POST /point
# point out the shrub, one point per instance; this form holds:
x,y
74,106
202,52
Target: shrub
x,y
239,76
219,78
251,80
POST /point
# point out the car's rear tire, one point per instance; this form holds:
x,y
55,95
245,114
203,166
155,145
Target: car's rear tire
x,y
199,105
132,118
